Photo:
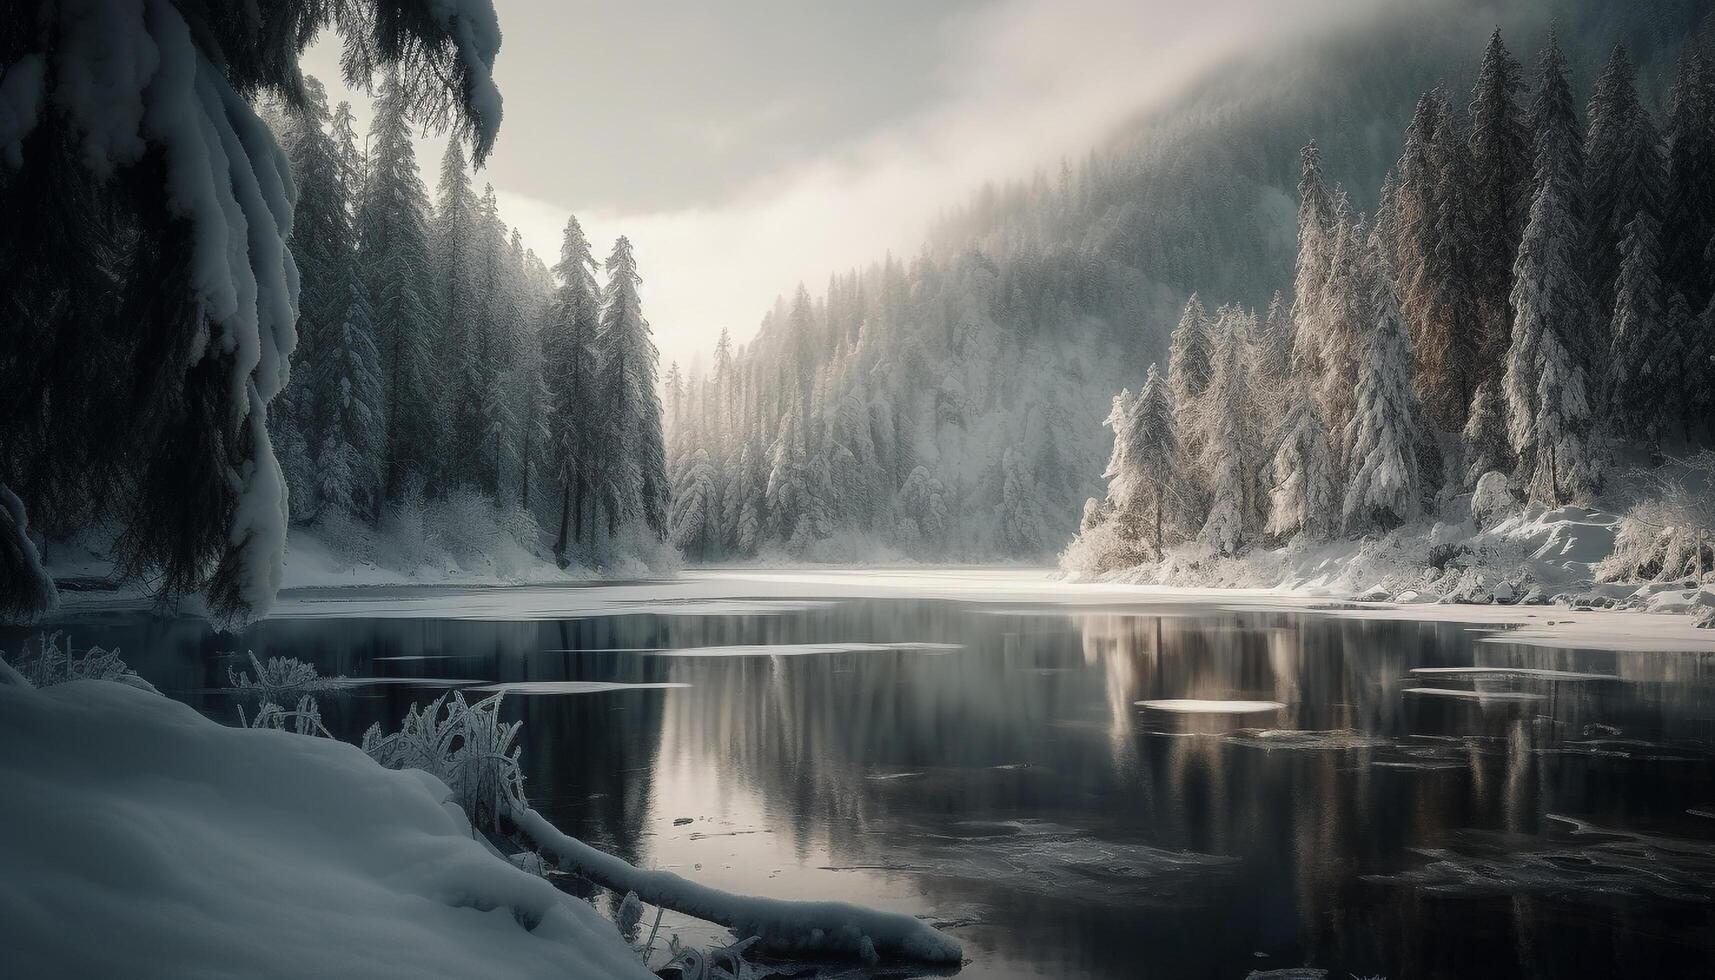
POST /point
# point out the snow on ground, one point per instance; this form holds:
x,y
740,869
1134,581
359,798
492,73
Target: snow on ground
x,y
141,839
1003,590
311,562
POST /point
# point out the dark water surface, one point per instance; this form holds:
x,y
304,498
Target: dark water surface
x,y
1010,788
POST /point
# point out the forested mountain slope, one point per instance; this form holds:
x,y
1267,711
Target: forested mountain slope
x,y
950,405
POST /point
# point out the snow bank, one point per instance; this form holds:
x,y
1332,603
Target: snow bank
x,y
1518,555
141,839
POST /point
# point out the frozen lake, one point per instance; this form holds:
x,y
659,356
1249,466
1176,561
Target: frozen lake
x,y
1073,781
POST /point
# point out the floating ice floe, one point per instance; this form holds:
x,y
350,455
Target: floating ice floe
x,y
1449,692
1197,706
1531,672
802,649
576,687
1583,862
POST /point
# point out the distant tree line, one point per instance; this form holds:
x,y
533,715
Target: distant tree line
x,y
1532,294
436,354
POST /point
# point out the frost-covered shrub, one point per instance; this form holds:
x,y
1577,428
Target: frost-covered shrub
x,y
1103,548
305,720
467,749
1669,534
408,539
50,665
280,679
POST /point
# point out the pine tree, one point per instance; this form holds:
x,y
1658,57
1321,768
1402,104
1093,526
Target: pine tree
x,y
636,487
457,237
1488,448
1545,386
1302,500
1500,191
568,340
1690,209
393,259
1317,224
1625,172
1021,524
1639,398
1435,239
1188,371
1384,484
1231,454
1146,483
1347,316
695,517
351,439
322,247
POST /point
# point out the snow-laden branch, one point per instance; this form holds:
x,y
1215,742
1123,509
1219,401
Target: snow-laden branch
x,y
803,927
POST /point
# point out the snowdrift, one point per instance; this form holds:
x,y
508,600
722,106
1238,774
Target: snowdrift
x,y
142,839
1524,555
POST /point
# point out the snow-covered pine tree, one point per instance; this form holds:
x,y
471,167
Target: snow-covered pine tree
x,y
497,317
1488,448
695,517
322,246
1433,242
349,376
454,239
1624,172
1231,455
1188,371
1347,317
1317,224
1271,371
1384,485
637,487
392,227
193,319
1303,499
1022,531
1639,400
1690,206
1500,192
1689,355
1146,479
568,339
1545,386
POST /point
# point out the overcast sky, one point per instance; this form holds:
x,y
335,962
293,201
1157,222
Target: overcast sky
x,y
747,145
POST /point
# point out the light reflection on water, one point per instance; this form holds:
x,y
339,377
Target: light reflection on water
x,y
1007,783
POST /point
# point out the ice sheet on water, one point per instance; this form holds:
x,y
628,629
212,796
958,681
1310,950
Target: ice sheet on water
x,y
1636,750
1534,673
803,649
1049,860
1580,860
1469,695
576,687
1337,740
1199,706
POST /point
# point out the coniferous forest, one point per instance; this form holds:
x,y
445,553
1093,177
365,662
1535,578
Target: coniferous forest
x,y
1528,295
439,359
1528,308
397,373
